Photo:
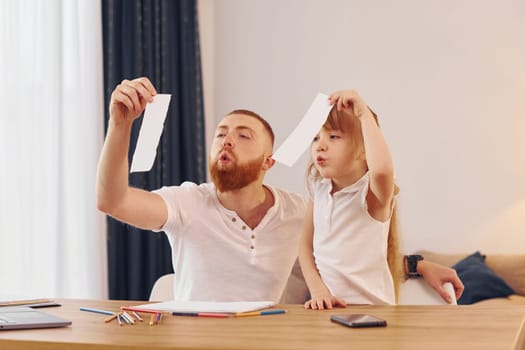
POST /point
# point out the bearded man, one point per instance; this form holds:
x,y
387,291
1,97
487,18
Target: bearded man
x,y
235,239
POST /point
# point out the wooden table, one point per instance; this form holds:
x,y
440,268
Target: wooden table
x,y
409,327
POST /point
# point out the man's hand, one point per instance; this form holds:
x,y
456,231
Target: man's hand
x,y
129,99
436,275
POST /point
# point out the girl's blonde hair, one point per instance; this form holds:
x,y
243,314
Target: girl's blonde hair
x,y
339,121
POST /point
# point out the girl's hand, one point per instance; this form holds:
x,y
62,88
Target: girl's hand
x,y
322,301
129,99
349,99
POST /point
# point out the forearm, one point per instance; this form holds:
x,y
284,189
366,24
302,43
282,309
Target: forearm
x,y
112,172
313,280
378,155
306,253
311,274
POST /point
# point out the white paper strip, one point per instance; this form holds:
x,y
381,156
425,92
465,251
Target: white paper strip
x,y
299,140
149,134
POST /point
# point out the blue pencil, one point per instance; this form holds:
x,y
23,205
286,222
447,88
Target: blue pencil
x,y
98,311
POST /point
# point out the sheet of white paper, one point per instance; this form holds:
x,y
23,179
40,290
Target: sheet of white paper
x,y
299,140
149,134
208,306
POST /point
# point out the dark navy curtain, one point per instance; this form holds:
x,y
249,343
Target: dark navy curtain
x,y
157,39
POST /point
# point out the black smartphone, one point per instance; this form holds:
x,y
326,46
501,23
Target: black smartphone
x,y
358,320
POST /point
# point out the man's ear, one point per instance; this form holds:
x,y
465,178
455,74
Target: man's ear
x,y
268,162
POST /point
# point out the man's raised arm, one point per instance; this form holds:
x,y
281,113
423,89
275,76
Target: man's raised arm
x,y
114,195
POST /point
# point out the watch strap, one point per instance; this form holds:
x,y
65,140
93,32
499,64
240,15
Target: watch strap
x,y
411,264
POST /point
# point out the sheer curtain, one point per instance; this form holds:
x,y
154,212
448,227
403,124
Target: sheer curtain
x,y
52,239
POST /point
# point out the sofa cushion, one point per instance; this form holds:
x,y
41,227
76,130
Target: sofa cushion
x,y
479,280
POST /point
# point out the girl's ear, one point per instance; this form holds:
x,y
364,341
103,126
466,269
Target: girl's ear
x,y
268,162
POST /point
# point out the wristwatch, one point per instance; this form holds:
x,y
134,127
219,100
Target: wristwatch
x,y
411,264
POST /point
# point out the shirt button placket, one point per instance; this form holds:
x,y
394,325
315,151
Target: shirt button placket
x,y
252,247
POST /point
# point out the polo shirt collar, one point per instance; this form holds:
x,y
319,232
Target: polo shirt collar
x,y
355,187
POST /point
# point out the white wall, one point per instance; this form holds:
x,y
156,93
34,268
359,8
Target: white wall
x,y
447,79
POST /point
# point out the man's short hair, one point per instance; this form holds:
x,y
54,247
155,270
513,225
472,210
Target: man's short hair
x,y
258,117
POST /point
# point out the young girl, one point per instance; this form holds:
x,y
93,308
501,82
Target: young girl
x,y
348,250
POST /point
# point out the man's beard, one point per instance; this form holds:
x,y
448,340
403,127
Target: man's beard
x,y
236,176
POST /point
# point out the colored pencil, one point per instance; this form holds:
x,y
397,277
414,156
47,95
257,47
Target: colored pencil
x,y
137,316
111,318
136,309
260,313
98,311
202,314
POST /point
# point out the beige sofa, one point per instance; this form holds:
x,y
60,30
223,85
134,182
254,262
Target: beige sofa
x,y
510,267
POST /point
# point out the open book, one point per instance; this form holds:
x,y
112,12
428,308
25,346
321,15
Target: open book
x,y
207,306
